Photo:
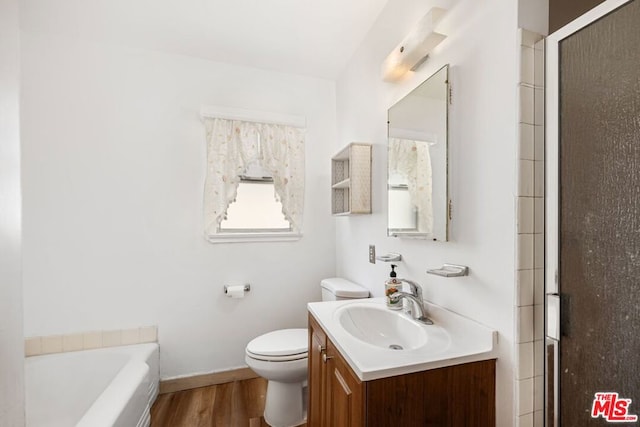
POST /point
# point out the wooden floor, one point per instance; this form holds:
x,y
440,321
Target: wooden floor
x,y
236,404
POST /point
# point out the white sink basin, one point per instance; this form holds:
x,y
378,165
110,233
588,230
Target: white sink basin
x,y
363,330
381,327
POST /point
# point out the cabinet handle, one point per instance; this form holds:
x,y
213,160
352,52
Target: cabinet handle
x,y
321,348
325,357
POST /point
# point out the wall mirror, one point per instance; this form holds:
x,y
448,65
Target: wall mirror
x,y
417,162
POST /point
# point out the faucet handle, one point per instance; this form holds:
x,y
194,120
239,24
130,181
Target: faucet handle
x,y
415,288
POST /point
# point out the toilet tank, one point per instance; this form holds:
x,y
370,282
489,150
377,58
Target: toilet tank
x,y
337,288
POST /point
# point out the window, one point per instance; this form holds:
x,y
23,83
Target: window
x,y
254,189
256,209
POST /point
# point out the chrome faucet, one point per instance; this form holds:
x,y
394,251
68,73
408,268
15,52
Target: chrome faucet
x,y
416,290
420,313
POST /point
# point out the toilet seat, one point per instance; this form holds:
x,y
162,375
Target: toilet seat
x,y
279,346
281,357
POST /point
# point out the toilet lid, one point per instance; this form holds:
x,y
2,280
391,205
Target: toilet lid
x,y
285,342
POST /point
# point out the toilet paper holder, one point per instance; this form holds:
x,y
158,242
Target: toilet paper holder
x,y
247,288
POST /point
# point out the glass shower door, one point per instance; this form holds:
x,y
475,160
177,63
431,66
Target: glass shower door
x,y
593,241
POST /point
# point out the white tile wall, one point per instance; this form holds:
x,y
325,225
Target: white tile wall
x,y
538,322
525,252
538,419
528,38
538,251
529,309
525,215
538,137
525,420
526,178
35,346
538,176
525,287
527,66
524,319
527,148
538,286
538,362
525,396
538,393
527,107
538,110
525,360
538,215
538,63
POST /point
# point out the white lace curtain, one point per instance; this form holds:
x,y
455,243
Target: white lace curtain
x,y
233,145
411,160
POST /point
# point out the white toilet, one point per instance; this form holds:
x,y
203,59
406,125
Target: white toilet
x,y
281,357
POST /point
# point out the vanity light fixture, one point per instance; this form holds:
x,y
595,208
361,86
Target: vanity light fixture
x,y
414,48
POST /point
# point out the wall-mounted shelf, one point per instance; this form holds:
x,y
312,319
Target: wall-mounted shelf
x,y
351,180
450,270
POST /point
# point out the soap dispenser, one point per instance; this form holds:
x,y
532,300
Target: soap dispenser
x,y
391,286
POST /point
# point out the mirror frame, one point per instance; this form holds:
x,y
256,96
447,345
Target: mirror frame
x,y
445,211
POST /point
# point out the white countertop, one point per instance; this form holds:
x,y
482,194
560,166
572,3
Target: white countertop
x,y
452,340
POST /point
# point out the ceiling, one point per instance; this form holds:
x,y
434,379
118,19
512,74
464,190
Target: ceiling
x,y
307,37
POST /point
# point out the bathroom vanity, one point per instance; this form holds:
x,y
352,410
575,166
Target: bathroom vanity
x,y
446,385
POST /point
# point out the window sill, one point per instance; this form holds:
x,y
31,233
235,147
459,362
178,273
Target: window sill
x,y
254,237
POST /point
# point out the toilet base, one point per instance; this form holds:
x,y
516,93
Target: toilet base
x,y
285,405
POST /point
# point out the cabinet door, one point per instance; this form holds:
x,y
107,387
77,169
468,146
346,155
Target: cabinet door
x,y
344,392
317,346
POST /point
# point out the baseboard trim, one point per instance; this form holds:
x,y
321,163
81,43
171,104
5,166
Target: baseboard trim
x,y
204,380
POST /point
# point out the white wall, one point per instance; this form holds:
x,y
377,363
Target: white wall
x,y
533,15
482,50
11,338
114,163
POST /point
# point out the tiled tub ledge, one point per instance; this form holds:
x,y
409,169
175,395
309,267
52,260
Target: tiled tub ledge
x,y
35,346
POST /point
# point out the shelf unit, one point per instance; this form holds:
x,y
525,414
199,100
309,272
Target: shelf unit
x,y
351,180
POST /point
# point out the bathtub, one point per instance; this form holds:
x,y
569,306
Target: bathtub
x,y
107,387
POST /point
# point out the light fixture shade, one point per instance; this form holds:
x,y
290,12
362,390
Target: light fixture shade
x,y
414,48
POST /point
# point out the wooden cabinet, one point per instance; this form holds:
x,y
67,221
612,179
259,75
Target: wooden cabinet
x,y
351,180
345,392
317,383
335,393
460,395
